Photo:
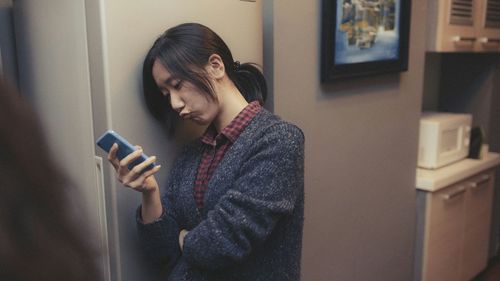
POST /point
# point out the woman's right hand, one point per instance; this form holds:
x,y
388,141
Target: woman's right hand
x,y
134,179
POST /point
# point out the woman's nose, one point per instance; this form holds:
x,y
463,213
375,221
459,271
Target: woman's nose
x,y
176,102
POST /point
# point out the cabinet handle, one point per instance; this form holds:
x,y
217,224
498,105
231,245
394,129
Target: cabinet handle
x,y
455,193
458,39
483,179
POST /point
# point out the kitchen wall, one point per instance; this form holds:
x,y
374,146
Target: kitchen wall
x,y
466,84
361,148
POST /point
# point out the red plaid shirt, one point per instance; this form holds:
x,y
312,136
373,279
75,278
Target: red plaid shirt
x,y
216,146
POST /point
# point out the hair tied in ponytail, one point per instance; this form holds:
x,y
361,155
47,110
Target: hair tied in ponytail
x,y
236,66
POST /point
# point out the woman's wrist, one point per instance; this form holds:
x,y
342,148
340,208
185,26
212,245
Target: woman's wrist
x,y
150,193
151,206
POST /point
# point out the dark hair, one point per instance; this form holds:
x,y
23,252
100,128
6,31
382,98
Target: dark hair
x,y
184,51
39,238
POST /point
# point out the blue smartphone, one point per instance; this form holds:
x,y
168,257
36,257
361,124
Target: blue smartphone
x,y
124,148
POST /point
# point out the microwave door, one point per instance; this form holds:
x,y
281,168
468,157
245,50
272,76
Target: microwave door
x,y
450,139
452,146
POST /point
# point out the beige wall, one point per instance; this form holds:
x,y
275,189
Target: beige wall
x,y
361,147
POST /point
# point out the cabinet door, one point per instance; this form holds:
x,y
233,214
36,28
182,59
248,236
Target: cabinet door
x,y
478,203
488,27
456,25
444,234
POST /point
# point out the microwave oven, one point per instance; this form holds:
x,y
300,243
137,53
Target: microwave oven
x,y
443,139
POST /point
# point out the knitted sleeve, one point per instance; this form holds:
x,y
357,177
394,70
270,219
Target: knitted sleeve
x,y
159,239
265,191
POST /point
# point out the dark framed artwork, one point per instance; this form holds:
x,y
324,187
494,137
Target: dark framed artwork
x,y
364,37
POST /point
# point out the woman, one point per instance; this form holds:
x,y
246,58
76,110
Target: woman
x,y
233,206
40,238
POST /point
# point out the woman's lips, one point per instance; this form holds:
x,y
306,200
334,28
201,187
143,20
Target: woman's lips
x,y
185,115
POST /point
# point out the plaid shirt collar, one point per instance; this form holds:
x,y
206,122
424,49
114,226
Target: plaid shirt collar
x,y
234,129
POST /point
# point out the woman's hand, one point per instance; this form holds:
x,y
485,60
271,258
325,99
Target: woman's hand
x,y
182,235
142,182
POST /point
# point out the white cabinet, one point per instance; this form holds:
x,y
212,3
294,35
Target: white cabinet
x,y
488,27
443,233
478,208
454,206
463,26
456,229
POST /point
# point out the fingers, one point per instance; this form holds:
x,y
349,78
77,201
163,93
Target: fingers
x,y
130,158
139,167
120,164
152,171
141,183
112,156
136,178
135,172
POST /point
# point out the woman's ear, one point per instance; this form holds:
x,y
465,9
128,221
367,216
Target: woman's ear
x,y
215,67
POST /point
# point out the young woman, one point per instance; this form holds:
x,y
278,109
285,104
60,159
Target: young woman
x,y
233,205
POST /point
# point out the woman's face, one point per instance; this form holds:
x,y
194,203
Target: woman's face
x,y
185,98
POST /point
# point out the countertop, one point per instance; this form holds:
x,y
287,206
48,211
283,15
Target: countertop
x,y
433,180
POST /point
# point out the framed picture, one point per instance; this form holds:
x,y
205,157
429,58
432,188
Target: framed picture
x,y
364,37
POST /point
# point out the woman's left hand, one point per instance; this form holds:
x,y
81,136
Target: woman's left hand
x,y
182,235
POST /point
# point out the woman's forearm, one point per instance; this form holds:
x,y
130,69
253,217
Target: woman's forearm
x,y
151,206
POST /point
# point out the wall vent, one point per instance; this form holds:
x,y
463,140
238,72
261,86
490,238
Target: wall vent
x,y
493,14
462,12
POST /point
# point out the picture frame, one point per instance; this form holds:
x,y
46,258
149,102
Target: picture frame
x,y
364,37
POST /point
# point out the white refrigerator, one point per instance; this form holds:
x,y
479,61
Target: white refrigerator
x,y
80,64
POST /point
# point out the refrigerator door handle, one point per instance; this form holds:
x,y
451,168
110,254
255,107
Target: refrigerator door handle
x,y
105,263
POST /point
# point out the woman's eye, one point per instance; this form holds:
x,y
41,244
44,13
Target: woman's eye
x,y
165,93
178,85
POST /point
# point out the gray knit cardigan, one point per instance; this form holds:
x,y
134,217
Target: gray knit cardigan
x,y
251,225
